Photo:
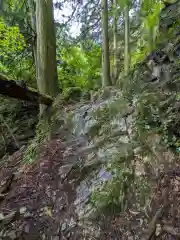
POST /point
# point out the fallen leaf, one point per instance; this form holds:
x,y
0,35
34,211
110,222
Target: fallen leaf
x,y
5,185
158,229
178,178
12,235
64,226
134,212
1,216
27,229
9,217
22,210
48,211
2,196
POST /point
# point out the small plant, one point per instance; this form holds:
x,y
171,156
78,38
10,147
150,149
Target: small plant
x,y
42,132
113,193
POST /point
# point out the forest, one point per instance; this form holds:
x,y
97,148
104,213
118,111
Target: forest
x,y
89,119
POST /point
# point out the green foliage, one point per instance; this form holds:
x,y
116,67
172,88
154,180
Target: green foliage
x,y
11,40
79,68
3,68
149,33
147,109
71,71
140,53
112,194
124,3
15,61
143,190
73,93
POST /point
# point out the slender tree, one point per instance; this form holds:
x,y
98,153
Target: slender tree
x,y
126,40
115,46
32,13
106,80
47,79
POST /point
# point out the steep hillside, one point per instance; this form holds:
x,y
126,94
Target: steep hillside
x,y
111,168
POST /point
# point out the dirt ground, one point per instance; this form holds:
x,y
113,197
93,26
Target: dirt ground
x,y
42,204
35,202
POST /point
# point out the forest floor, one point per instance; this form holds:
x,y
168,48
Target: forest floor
x,y
37,203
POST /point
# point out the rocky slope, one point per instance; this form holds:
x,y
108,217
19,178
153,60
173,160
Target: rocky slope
x,y
110,170
51,198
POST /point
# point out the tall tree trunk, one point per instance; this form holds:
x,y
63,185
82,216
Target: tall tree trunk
x,y
115,47
106,79
126,40
32,12
47,79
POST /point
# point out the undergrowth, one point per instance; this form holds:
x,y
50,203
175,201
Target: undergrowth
x,y
156,113
34,146
48,125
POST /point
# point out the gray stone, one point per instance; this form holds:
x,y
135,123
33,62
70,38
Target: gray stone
x,y
11,234
55,238
64,170
64,226
43,236
26,228
28,215
72,223
1,216
68,235
22,210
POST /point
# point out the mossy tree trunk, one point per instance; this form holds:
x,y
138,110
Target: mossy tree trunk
x,y
47,79
106,79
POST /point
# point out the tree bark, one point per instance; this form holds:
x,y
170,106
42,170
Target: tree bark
x,y
126,40
106,79
11,89
47,79
32,12
115,47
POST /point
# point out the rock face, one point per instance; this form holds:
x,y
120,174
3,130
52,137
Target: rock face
x,y
95,145
162,61
170,17
70,167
